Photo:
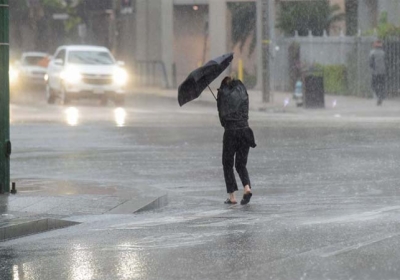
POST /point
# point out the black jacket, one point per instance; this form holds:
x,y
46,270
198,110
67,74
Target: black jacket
x,y
233,106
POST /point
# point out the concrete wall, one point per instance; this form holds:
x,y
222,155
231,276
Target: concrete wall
x,y
175,33
154,31
171,31
127,38
148,30
218,27
167,40
201,35
191,40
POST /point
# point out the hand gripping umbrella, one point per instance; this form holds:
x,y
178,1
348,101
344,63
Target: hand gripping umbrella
x,y
200,78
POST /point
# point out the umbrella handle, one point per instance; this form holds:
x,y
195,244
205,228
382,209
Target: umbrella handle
x,y
212,93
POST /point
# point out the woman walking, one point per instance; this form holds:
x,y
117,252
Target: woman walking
x,y
233,110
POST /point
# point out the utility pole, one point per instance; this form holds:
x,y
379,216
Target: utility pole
x,y
5,144
266,43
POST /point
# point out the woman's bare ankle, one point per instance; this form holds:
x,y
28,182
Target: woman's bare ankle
x,y
247,189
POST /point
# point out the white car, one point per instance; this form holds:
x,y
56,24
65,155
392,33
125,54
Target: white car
x,y
30,69
85,72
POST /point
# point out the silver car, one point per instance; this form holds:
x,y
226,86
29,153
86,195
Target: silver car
x,y
32,68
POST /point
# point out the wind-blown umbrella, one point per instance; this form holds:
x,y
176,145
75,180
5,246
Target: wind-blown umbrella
x,y
200,78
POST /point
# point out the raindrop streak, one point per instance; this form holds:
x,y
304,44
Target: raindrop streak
x,y
334,103
286,102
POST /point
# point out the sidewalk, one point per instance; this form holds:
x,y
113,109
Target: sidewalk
x,y
282,102
38,206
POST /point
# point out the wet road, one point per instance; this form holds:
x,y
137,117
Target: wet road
x,y
325,205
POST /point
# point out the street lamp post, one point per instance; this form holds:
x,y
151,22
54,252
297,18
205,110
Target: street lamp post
x,y
5,144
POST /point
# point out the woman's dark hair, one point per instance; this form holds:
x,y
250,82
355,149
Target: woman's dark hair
x,y
227,81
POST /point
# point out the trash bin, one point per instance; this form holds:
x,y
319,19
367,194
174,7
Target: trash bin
x,y
314,94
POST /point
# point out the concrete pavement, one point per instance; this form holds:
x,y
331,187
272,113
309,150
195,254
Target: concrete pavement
x,y
325,202
38,206
42,205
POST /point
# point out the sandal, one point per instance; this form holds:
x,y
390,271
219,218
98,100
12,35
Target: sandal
x,y
228,201
246,198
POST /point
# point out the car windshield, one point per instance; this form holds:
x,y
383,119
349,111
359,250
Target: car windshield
x,y
90,57
33,60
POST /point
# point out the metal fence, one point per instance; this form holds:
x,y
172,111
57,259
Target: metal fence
x,y
392,50
351,52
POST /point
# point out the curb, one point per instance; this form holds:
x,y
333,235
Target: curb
x,y
20,227
24,228
155,204
133,206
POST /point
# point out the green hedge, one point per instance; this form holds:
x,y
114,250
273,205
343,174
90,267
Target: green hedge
x,y
335,78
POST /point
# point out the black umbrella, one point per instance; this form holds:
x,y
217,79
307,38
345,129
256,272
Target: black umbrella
x,y
200,78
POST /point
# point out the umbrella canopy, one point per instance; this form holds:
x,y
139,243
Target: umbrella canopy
x,y
200,78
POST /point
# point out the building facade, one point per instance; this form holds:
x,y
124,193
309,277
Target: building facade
x,y
185,33
172,37
180,33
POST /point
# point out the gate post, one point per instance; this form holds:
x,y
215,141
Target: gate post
x,y
5,145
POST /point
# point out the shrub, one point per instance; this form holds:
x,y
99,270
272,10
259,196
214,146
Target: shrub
x,y
335,78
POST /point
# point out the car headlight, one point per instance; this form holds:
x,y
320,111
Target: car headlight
x,y
71,75
13,74
120,76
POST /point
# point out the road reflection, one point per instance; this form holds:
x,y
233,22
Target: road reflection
x,y
129,265
120,116
23,271
72,115
82,263
16,272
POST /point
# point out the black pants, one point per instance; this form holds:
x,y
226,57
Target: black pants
x,y
378,85
235,144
